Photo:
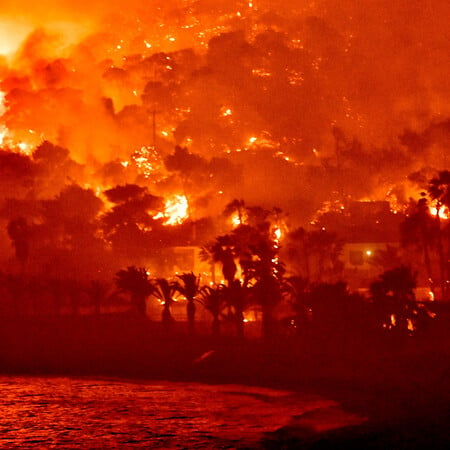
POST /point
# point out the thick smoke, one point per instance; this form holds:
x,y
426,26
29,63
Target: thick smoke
x,y
280,103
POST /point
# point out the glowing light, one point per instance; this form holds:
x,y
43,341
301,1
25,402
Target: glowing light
x,y
226,112
252,140
12,33
262,73
2,103
248,317
277,234
176,210
410,325
3,133
236,220
393,320
25,148
369,252
444,213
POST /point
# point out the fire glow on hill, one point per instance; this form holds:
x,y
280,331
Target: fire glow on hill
x,y
295,104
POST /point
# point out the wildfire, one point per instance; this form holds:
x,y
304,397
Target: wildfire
x,y
444,213
147,160
176,210
393,320
277,234
3,129
410,325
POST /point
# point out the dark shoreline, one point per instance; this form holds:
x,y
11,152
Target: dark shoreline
x,y
401,384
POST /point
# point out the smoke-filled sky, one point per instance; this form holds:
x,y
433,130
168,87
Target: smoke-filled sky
x,y
281,103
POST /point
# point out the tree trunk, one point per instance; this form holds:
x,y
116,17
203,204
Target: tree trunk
x,y
442,261
167,318
191,316
427,262
139,305
216,327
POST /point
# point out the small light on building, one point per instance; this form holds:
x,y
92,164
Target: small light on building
x,y
369,252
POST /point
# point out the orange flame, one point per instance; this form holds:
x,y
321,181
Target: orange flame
x,y
176,210
444,213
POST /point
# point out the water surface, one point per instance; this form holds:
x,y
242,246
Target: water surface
x,y
98,413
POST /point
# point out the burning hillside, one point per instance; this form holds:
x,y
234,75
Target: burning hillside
x,y
195,103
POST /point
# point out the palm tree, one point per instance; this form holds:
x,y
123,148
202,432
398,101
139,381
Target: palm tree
x,y
222,250
419,229
439,191
258,257
164,291
18,231
236,299
238,207
213,300
135,281
189,287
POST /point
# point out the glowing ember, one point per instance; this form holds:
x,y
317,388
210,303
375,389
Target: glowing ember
x,y
147,160
226,112
393,320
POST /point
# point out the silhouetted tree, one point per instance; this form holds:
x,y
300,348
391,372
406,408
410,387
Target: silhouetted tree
x,y
297,289
164,292
135,281
222,250
189,286
394,298
213,299
439,191
419,229
236,297
238,207
19,234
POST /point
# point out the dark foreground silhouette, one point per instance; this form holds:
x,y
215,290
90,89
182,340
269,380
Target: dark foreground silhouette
x,y
400,383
